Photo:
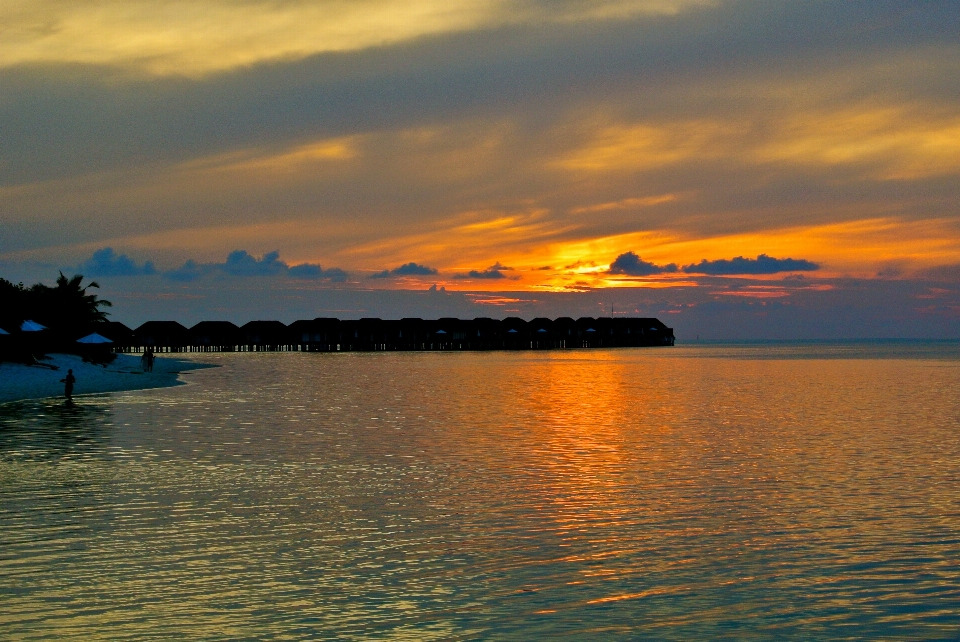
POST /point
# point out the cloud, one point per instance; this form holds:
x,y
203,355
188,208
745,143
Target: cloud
x,y
241,263
208,36
764,117
495,271
55,118
763,264
631,264
314,271
106,262
407,269
189,271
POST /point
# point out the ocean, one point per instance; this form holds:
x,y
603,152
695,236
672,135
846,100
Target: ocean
x,y
738,491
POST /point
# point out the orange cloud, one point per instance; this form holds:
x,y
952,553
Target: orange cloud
x,y
627,203
901,144
199,37
892,142
632,147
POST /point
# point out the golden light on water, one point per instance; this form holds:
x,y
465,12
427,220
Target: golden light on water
x,y
531,493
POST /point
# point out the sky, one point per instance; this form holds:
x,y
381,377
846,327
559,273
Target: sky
x,y
740,169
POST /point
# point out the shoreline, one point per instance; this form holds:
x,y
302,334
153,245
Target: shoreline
x,y
19,382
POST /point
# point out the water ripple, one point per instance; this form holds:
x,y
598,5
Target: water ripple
x,y
696,492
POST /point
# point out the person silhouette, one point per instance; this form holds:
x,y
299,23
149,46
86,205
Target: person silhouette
x,y
146,361
68,382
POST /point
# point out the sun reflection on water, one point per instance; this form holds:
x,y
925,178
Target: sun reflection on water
x,y
688,492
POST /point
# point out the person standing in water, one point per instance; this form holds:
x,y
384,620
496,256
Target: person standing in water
x,y
68,382
146,361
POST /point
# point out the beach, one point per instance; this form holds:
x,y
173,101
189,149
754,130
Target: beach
x,y
18,381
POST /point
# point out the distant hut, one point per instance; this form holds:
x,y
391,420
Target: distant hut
x,y
264,335
215,336
449,333
305,334
369,334
328,333
412,333
121,335
587,332
485,334
541,333
515,334
564,332
162,336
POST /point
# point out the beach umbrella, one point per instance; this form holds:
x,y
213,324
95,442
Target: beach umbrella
x,y
94,339
2,331
31,326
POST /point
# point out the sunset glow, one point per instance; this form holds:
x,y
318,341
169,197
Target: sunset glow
x,y
502,147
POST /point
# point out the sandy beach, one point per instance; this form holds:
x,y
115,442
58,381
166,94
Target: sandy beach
x,y
19,381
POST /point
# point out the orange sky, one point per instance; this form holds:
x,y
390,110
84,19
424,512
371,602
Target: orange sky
x,y
542,140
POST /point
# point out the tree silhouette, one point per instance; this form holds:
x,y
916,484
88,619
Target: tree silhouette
x,y
65,306
68,304
13,304
67,310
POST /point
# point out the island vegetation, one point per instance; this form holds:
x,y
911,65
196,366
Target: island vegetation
x,y
39,319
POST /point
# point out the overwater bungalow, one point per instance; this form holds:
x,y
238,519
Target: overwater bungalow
x,y
215,336
264,335
161,336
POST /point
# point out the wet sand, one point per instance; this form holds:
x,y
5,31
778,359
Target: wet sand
x,y
18,381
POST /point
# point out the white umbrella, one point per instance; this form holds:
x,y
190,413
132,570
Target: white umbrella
x,y
31,326
94,338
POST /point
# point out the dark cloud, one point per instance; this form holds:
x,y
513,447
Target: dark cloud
x,y
189,271
106,262
313,271
630,264
241,263
763,264
529,92
949,273
495,271
407,269
60,122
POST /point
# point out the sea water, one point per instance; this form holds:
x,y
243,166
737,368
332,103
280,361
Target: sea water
x,y
736,491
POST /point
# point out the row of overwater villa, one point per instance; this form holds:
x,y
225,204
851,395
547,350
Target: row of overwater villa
x,y
334,335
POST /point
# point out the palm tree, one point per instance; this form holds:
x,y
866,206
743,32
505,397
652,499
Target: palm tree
x,y
67,304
